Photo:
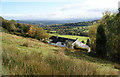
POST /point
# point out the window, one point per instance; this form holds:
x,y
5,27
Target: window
x,y
62,43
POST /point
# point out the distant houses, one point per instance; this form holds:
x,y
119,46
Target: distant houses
x,y
66,42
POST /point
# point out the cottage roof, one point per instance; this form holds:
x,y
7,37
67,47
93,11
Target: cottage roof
x,y
60,39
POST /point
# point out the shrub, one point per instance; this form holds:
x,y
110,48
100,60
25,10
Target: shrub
x,y
88,42
16,33
44,41
82,41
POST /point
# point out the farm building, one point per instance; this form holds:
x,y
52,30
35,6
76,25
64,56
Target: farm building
x,y
66,42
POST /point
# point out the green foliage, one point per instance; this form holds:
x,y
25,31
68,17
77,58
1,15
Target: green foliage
x,y
8,25
26,30
101,41
40,34
69,44
11,27
44,41
82,41
88,42
92,34
67,30
13,21
111,29
31,31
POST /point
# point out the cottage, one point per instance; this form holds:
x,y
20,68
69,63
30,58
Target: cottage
x,y
60,41
66,42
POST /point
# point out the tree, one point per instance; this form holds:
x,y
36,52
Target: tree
x,y
88,42
101,41
8,25
31,31
25,28
13,21
92,34
19,25
40,34
11,27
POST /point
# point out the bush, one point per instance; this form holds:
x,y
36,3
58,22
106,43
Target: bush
x,y
44,41
88,42
16,33
82,41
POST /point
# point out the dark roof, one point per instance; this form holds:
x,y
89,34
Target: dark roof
x,y
60,39
53,37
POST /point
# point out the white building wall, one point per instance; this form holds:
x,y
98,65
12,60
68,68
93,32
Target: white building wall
x,y
50,41
58,44
81,45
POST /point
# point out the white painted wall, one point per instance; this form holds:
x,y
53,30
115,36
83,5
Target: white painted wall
x,y
50,41
58,44
81,45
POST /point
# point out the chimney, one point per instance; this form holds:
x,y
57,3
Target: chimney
x,y
76,38
57,36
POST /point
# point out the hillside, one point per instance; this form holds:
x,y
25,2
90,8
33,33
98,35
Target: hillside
x,y
26,56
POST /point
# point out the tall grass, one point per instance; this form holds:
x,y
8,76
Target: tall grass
x,y
34,64
42,59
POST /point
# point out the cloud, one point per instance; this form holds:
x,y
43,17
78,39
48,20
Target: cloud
x,y
119,4
39,0
87,9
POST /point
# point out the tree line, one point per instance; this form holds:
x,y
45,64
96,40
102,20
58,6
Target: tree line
x,y
105,36
67,30
79,28
26,30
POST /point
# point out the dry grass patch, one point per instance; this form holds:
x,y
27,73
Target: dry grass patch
x,y
28,44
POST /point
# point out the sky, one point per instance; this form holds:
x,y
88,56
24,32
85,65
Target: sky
x,y
56,9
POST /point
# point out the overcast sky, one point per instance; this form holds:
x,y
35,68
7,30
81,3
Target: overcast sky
x,y
56,9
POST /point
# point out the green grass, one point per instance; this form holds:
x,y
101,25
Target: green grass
x,y
22,58
80,38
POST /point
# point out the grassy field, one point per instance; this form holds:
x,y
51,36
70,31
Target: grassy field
x,y
80,38
26,56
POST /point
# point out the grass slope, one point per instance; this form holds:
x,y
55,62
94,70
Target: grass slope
x,y
26,56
